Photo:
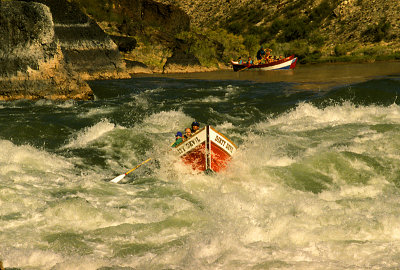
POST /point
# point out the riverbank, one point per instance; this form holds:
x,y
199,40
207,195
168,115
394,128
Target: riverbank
x,y
362,54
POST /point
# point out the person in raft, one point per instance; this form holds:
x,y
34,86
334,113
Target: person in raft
x,y
195,127
268,56
188,133
260,54
178,139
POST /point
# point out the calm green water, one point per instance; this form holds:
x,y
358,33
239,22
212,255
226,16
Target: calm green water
x,y
315,183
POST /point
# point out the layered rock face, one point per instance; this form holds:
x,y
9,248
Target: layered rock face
x,y
49,48
87,50
32,64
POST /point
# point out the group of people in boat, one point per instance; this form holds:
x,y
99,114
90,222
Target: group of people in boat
x,y
189,132
263,56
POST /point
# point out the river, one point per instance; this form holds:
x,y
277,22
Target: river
x,y
315,183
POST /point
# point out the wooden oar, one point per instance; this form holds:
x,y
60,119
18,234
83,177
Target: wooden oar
x,y
120,177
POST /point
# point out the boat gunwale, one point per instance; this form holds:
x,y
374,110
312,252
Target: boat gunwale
x,y
224,137
281,61
191,137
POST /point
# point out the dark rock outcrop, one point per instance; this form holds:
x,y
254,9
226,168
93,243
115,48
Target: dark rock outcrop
x,y
180,57
157,24
27,36
125,44
181,60
32,64
171,18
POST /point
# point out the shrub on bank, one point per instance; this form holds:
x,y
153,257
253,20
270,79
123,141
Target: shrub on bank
x,y
344,48
378,32
316,39
295,29
233,44
214,46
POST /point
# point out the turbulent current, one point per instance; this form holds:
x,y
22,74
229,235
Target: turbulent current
x,y
315,183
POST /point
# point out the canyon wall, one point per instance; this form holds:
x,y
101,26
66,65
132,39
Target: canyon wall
x,y
31,60
49,49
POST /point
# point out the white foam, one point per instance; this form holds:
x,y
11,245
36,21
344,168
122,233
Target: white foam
x,y
308,117
232,90
248,216
67,104
36,259
96,111
225,126
210,99
76,213
164,122
90,134
26,158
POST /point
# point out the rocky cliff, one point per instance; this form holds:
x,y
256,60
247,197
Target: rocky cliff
x,y
86,49
32,62
49,48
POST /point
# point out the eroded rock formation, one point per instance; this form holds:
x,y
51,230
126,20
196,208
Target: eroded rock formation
x,y
32,63
181,60
87,50
49,48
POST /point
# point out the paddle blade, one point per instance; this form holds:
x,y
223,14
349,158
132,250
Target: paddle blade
x,y
118,178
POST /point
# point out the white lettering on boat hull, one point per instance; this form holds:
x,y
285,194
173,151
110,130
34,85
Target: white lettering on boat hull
x,y
222,142
191,143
